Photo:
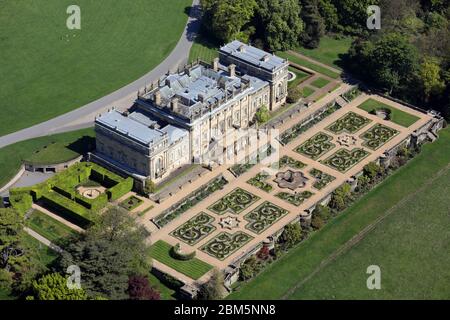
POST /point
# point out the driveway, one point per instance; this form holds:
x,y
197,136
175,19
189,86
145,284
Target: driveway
x,y
83,117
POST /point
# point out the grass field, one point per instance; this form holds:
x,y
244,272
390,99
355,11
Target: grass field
x,y
48,227
307,91
48,70
203,50
410,247
329,51
309,65
193,268
320,82
397,116
60,148
280,277
300,77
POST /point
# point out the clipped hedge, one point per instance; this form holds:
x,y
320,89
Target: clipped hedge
x,y
120,189
176,254
68,209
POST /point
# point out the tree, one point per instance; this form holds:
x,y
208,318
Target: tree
x,y
247,269
108,254
54,287
279,22
17,259
372,170
224,19
429,74
390,61
329,14
292,234
262,115
317,222
294,95
340,197
213,288
322,211
353,14
139,289
149,187
314,24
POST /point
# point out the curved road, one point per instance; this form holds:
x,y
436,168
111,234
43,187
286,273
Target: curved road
x,y
83,117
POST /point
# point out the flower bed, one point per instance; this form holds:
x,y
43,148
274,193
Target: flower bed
x,y
182,206
235,202
316,146
377,136
344,159
350,123
131,203
264,216
322,178
295,199
224,244
259,181
195,229
301,127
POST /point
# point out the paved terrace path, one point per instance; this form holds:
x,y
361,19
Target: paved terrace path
x,y
83,117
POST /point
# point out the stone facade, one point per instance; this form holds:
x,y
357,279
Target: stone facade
x,y
194,115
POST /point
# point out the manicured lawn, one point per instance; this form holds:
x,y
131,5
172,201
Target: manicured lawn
x,y
307,91
307,64
279,277
203,50
63,147
48,227
48,70
193,268
397,116
131,203
329,50
320,82
410,247
300,77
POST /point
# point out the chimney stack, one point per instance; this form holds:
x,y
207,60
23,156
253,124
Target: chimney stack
x,y
215,64
232,70
157,97
174,104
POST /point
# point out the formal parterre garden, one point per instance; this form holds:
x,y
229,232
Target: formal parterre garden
x,y
59,193
377,136
235,202
286,161
225,244
350,123
295,199
344,159
194,198
196,229
316,146
322,179
131,203
264,216
259,181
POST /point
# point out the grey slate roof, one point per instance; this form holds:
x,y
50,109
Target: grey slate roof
x,y
133,126
253,55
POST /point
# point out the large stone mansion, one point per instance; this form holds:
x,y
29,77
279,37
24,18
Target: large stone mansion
x,y
179,119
